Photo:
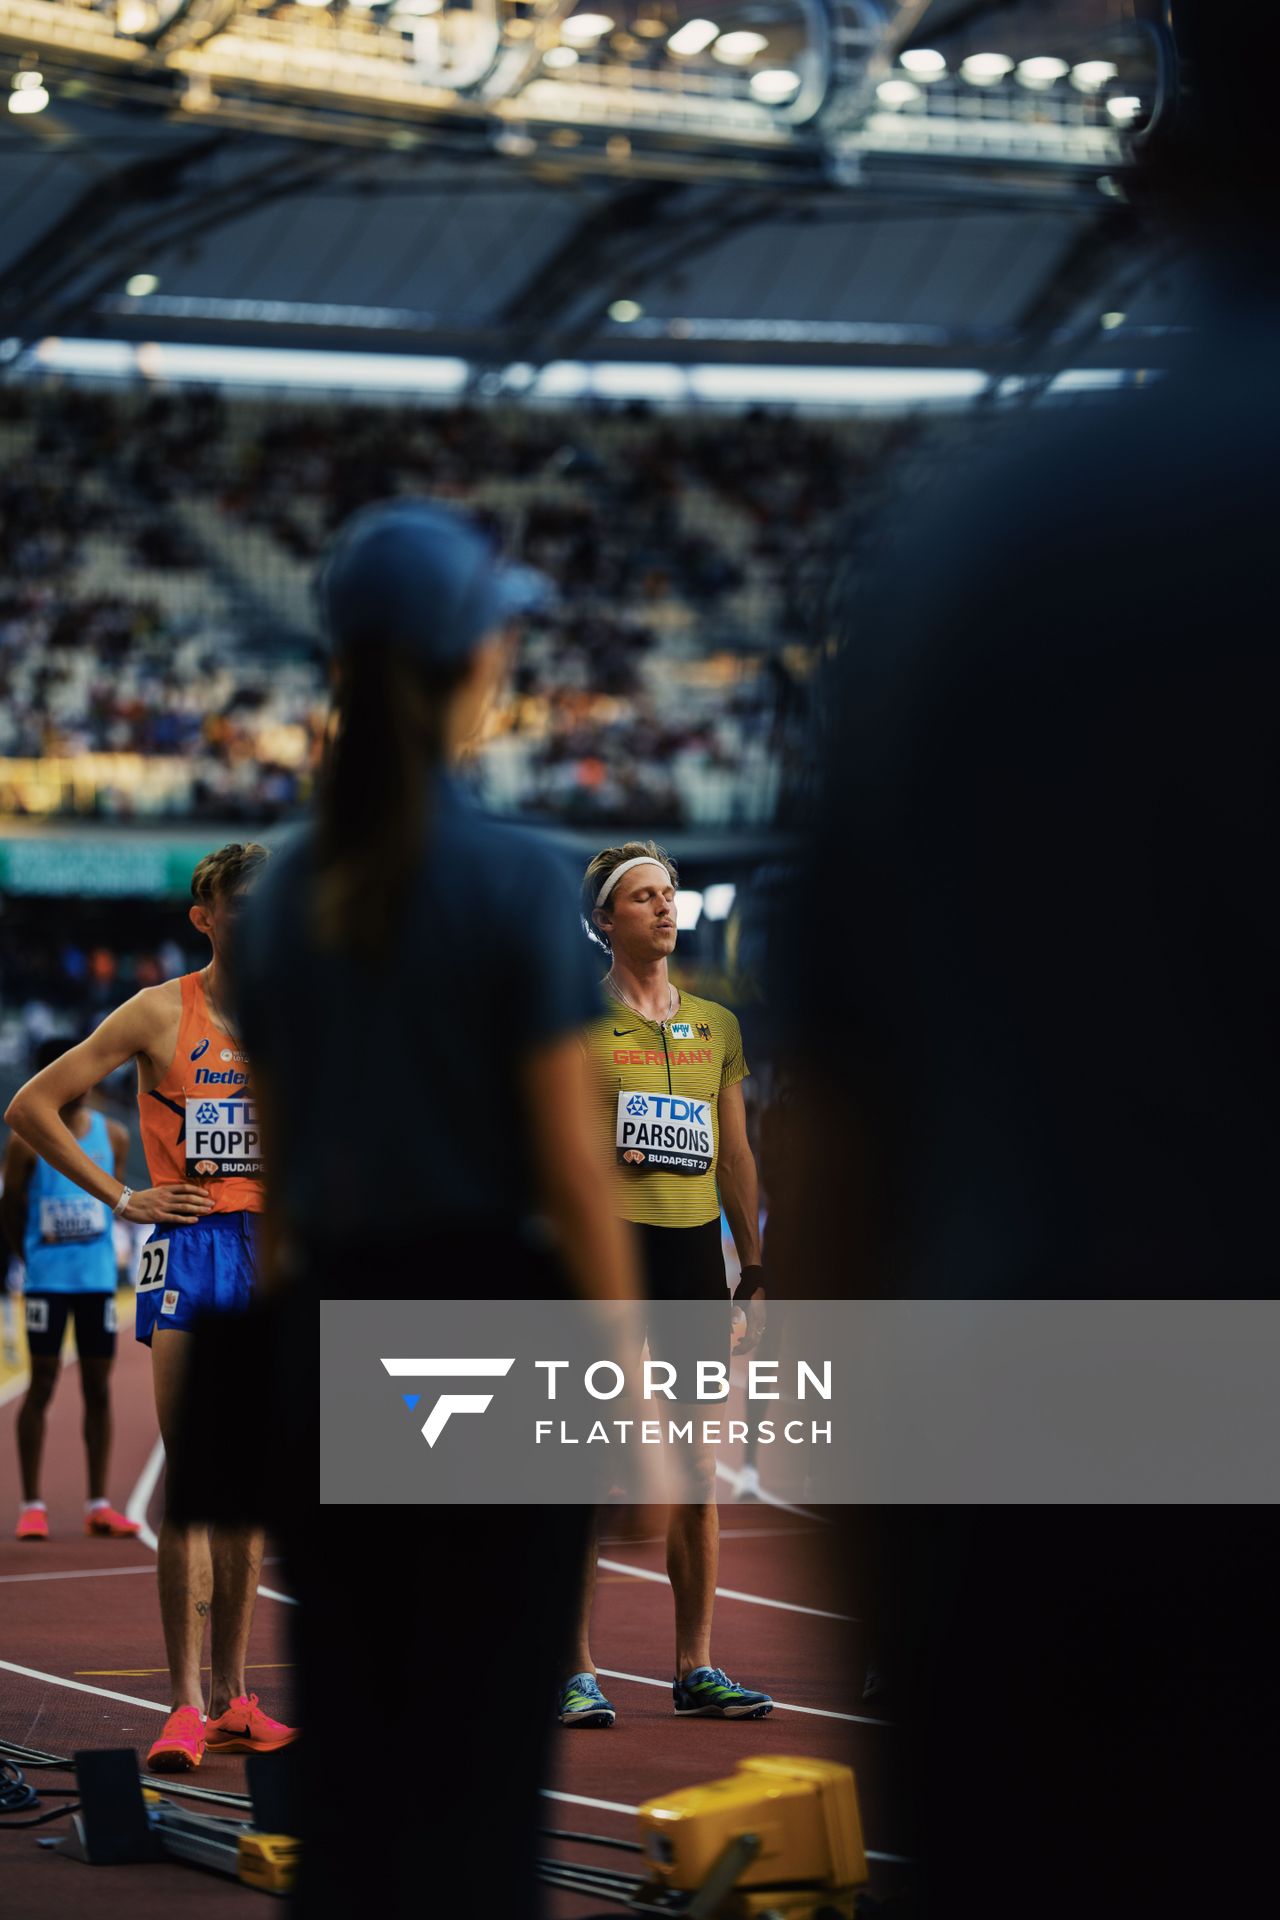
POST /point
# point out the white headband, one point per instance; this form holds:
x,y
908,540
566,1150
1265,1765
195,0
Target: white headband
x,y
641,860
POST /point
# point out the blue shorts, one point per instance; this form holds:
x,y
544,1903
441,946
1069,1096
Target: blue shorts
x,y
200,1266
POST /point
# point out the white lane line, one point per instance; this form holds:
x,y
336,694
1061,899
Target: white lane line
x,y
140,1499
618,1806
585,1800
91,1573
78,1686
727,1532
787,1706
766,1533
734,1477
726,1593
83,1573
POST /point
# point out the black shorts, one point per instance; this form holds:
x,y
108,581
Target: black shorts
x,y
95,1318
688,1314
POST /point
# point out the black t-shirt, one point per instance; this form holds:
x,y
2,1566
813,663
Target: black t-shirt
x,y
396,1087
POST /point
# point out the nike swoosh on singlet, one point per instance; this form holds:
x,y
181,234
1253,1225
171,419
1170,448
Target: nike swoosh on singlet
x,y
619,1031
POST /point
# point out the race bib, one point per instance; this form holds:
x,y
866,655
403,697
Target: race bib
x,y
221,1138
665,1132
78,1218
153,1266
37,1315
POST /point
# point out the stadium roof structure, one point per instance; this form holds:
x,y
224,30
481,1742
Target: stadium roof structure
x,y
974,216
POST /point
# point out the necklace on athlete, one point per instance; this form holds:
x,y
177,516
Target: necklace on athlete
x,y
618,994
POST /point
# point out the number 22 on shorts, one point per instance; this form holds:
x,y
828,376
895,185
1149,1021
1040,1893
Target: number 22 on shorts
x,y
153,1266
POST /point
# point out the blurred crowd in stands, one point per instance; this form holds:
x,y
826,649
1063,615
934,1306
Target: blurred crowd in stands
x,y
157,553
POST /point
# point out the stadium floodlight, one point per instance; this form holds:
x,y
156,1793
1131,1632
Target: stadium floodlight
x,y
1089,76
417,6
1125,108
625,311
736,49
29,99
688,910
139,285
923,63
695,36
717,901
559,57
1041,72
1110,321
985,69
775,85
580,29
897,93
27,80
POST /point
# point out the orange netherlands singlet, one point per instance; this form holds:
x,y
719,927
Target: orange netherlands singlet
x,y
199,1122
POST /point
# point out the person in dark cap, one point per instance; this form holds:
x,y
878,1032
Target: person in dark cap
x,y
412,985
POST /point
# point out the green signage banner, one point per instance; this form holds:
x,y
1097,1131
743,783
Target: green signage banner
x,y
155,869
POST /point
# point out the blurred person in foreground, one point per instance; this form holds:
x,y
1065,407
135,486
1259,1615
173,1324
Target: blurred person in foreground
x,y
413,986
195,1112
64,1240
1050,796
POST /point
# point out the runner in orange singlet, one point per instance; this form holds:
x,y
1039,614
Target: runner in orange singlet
x,y
199,1130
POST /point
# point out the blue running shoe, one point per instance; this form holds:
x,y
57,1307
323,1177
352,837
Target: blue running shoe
x,y
709,1692
582,1704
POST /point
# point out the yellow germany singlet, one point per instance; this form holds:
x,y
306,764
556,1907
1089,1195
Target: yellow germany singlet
x,y
657,1083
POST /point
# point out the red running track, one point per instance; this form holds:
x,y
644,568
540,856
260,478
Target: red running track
x,y
79,1618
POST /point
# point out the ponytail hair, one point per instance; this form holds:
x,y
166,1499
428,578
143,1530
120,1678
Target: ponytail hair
x,y
374,796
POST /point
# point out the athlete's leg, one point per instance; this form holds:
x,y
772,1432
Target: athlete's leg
x,y
182,1554
693,1560
237,1561
31,1420
95,1385
580,1652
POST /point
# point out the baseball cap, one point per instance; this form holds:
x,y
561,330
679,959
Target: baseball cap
x,y
416,576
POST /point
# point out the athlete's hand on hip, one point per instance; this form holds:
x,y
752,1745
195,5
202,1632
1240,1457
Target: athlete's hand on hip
x,y
169,1205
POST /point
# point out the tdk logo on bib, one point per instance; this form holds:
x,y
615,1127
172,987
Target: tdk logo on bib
x,y
664,1131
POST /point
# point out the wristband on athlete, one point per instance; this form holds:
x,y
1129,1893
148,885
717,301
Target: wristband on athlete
x,y
748,1281
126,1195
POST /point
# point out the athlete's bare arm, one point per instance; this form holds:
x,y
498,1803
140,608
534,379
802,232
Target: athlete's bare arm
x,y
573,1175
739,1187
144,1029
19,1164
736,1175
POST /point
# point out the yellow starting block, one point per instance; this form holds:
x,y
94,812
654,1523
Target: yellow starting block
x,y
268,1861
782,1836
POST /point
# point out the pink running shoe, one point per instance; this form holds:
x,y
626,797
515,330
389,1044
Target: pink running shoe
x,y
180,1748
33,1524
104,1523
244,1728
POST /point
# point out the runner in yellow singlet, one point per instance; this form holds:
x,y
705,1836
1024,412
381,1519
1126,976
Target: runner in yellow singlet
x,y
669,1068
